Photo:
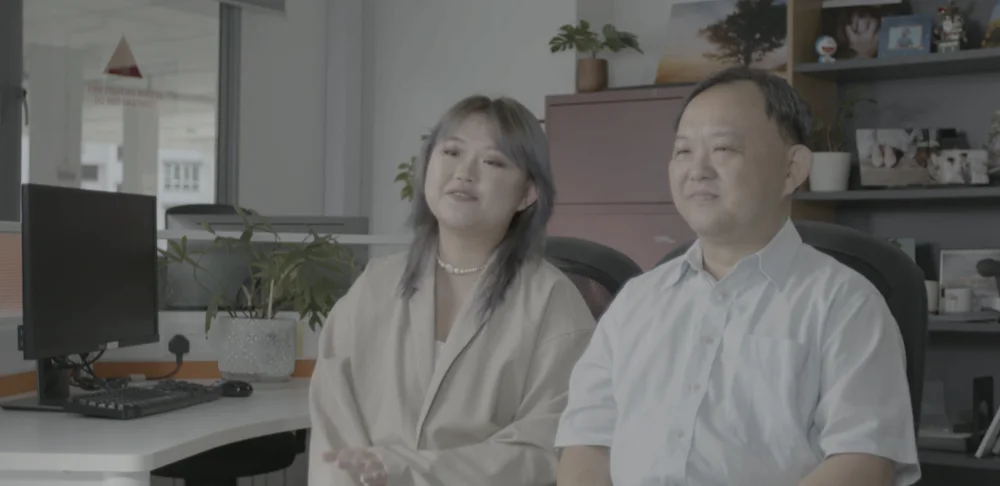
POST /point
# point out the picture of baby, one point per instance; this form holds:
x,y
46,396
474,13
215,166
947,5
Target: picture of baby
x,y
906,38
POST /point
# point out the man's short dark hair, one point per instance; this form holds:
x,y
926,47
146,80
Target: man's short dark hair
x,y
782,103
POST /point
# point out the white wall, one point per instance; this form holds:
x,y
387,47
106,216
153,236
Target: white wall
x,y
282,109
427,55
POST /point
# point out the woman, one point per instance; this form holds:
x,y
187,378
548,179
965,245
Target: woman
x,y
449,364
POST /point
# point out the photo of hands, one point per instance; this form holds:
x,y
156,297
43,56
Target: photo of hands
x,y
856,28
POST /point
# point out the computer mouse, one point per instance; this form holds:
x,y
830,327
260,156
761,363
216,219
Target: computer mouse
x,y
236,388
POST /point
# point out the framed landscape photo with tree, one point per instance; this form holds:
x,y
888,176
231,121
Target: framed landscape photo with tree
x,y
704,36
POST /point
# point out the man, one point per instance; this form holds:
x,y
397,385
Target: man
x,y
753,360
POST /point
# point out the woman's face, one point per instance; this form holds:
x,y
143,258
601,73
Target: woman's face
x,y
470,185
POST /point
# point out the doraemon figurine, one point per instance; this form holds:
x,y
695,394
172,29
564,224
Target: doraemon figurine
x,y
825,47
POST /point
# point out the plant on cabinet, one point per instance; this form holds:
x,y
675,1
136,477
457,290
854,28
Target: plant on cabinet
x,y
592,72
831,168
248,325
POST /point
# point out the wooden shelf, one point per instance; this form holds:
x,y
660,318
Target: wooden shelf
x,y
903,194
958,459
964,327
972,61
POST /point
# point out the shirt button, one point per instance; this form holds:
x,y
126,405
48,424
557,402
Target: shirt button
x,y
695,388
721,296
707,340
678,433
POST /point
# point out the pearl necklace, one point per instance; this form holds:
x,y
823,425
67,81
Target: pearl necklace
x,y
458,271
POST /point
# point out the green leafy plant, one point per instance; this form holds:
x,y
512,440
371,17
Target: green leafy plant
x,y
832,137
405,175
307,277
582,39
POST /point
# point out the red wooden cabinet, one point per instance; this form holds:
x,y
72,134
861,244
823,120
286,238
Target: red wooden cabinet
x,y
643,232
599,143
609,153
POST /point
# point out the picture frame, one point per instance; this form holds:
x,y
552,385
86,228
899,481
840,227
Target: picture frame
x,y
959,167
958,269
905,35
899,157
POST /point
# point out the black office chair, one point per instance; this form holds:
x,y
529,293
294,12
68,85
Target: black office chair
x,y
893,273
598,271
224,465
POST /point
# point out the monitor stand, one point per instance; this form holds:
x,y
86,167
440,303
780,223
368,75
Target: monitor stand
x,y
53,390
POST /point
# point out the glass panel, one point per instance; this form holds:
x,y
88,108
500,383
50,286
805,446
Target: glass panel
x,y
122,85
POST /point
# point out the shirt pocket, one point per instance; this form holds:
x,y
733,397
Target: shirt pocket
x,y
766,383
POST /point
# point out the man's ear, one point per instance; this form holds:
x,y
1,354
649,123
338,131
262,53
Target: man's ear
x,y
530,196
800,160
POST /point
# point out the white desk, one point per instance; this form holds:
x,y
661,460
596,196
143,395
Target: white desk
x,y
51,448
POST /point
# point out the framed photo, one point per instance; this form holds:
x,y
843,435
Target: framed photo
x,y
903,35
992,36
968,167
894,157
704,36
958,269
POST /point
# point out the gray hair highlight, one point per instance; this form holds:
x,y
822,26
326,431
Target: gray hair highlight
x,y
519,136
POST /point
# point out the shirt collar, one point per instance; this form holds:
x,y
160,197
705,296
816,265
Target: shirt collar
x,y
774,260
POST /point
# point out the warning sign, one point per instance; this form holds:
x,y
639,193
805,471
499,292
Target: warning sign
x,y
123,63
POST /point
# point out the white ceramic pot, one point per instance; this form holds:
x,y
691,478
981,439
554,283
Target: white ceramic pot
x,y
255,350
830,171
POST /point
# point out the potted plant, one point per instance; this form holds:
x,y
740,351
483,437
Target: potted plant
x,y
831,168
250,325
592,72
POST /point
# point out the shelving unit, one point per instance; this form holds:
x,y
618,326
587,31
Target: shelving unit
x,y
959,460
906,194
973,61
991,328
936,90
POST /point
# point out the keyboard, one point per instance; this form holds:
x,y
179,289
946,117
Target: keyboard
x,y
136,402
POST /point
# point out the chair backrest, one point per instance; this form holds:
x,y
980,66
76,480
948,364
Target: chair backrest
x,y
598,271
893,273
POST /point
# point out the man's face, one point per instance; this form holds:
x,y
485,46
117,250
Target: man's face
x,y
731,167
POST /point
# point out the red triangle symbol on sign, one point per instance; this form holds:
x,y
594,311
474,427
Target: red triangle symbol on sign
x,y
122,62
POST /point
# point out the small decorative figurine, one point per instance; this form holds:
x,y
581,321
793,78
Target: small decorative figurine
x,y
825,47
951,32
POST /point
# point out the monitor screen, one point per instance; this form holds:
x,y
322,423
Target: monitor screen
x,y
89,263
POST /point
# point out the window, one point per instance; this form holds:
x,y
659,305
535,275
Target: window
x,y
101,94
120,85
182,176
123,86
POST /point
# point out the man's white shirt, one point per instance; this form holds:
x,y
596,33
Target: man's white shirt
x,y
752,380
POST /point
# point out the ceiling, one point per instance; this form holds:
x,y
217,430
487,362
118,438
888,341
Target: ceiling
x,y
175,44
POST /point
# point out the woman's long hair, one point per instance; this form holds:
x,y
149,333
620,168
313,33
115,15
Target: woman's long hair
x,y
519,136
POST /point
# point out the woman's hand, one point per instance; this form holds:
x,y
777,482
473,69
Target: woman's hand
x,y
360,463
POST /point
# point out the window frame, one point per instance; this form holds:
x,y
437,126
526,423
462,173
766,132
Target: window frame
x,y
11,74
13,106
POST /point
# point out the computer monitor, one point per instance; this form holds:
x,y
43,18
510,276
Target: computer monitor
x,y
229,269
89,274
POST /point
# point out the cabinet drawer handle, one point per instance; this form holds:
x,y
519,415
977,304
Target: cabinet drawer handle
x,y
663,239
